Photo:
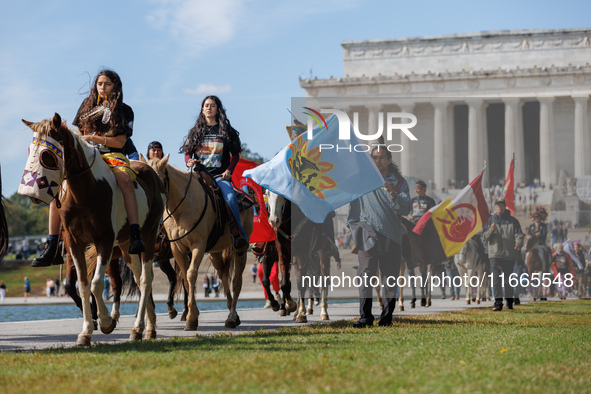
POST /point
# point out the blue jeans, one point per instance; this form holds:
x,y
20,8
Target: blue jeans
x,y
230,198
505,267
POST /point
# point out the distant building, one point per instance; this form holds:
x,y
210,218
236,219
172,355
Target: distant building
x,y
478,96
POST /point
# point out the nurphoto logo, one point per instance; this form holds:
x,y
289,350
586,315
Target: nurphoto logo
x,y
394,122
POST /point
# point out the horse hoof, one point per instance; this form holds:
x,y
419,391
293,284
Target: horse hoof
x,y
309,311
172,313
191,326
115,317
290,306
150,334
468,301
324,316
380,302
478,301
301,319
108,330
412,305
401,308
282,312
230,324
135,336
184,316
95,324
473,299
428,302
423,302
275,306
83,340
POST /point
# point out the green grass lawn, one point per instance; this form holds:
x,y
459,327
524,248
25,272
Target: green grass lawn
x,y
13,276
542,347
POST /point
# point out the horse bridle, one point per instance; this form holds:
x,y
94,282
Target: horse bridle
x,y
68,175
167,186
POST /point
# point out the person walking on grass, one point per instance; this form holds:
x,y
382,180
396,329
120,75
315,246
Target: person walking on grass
x,y
504,237
374,220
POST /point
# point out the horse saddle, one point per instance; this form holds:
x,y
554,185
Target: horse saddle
x,y
245,201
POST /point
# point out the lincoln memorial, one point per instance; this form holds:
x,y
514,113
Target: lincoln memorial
x,y
477,96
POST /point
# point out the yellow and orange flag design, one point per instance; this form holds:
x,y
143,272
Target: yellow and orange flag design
x,y
457,220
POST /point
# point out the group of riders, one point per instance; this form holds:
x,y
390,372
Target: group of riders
x,y
107,122
509,256
375,219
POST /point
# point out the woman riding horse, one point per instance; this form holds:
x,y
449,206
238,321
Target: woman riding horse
x,y
211,142
107,122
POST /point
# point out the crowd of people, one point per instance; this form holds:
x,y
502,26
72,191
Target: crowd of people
x,y
374,220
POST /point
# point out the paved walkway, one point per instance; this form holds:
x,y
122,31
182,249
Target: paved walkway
x,y
37,335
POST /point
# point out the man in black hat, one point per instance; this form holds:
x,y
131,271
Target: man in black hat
x,y
503,235
154,150
421,203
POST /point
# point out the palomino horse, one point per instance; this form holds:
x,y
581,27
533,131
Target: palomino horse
x,y
93,213
535,265
193,225
301,240
471,261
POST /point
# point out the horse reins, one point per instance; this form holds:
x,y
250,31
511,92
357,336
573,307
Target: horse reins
x,y
207,197
167,181
58,204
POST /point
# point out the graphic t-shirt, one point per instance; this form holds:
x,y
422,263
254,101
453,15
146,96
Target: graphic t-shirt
x,y
213,152
420,205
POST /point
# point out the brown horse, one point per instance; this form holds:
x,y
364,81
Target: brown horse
x,y
190,220
114,274
92,212
303,241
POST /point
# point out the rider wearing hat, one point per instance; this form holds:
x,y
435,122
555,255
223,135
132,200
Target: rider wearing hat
x,y
503,235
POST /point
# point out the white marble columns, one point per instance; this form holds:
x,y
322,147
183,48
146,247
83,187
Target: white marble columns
x,y
441,140
581,136
547,142
475,138
407,158
514,138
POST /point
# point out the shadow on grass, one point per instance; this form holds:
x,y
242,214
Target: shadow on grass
x,y
292,339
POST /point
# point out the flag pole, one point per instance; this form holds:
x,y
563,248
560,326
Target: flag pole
x,y
488,182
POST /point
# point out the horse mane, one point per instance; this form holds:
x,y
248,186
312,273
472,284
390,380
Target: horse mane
x,y
42,128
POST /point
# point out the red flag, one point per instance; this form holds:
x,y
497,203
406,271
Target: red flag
x,y
509,188
262,230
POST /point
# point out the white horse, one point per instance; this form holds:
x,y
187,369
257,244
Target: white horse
x,y
304,241
472,262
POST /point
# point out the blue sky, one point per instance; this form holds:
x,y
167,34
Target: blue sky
x,y
172,53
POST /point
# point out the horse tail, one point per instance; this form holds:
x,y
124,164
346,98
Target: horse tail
x,y
3,224
229,259
180,281
128,285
